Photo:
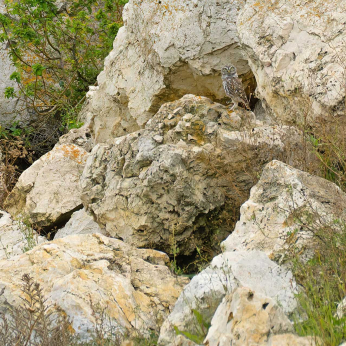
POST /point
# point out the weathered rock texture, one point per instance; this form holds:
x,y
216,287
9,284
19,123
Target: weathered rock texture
x,y
165,50
48,192
184,176
284,209
80,223
228,271
16,237
80,137
245,317
297,50
134,285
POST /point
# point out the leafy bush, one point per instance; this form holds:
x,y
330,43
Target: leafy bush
x,y
58,49
323,282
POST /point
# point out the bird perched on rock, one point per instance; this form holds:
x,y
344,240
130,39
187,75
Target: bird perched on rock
x,y
234,87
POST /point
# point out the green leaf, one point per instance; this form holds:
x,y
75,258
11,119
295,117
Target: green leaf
x,y
10,93
15,76
200,319
198,339
38,69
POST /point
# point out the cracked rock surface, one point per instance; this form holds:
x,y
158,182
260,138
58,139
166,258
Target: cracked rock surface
x,y
164,50
227,272
79,268
48,192
181,178
277,218
296,51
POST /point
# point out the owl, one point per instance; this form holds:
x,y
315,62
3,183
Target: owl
x,y
234,87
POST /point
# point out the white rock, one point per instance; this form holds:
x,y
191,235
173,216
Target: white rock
x,y
80,223
48,192
150,194
296,51
341,310
228,271
245,317
135,286
269,220
16,237
164,50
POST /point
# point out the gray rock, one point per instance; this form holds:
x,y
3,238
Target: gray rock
x,y
228,271
184,189
283,210
297,56
80,223
164,50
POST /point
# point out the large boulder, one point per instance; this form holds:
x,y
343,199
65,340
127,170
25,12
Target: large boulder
x,y
80,273
245,317
48,192
284,210
16,237
296,50
165,49
227,272
181,180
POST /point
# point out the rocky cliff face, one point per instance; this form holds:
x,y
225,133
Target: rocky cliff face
x,y
165,50
297,51
163,164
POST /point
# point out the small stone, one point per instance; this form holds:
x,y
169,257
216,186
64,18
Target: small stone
x,y
158,139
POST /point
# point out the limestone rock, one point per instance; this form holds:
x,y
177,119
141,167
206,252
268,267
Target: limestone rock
x,y
164,50
280,210
341,310
134,285
228,271
80,137
16,237
296,51
80,223
48,192
182,177
245,317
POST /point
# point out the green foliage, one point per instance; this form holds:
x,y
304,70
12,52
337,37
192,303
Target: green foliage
x,y
175,251
58,51
10,93
202,327
29,234
323,279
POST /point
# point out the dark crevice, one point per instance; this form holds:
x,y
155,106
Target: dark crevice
x,y
51,230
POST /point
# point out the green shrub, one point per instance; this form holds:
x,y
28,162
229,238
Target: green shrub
x,y
58,51
323,283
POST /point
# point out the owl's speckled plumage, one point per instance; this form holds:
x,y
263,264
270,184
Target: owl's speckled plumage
x,y
233,86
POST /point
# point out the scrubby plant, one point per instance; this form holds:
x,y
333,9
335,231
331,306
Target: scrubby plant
x,y
202,328
34,322
58,49
322,279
